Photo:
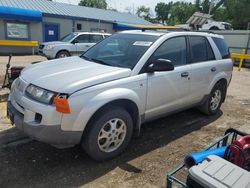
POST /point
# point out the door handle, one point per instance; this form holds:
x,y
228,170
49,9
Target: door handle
x,y
213,69
87,45
184,74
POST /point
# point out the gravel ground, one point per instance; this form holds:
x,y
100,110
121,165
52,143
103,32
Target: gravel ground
x,y
161,146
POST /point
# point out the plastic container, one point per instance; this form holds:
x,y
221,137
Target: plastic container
x,y
178,176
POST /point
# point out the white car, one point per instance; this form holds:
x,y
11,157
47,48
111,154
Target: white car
x,y
100,99
73,44
214,25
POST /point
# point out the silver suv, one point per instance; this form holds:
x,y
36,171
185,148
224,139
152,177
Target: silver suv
x,y
72,44
100,99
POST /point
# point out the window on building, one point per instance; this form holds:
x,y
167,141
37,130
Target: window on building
x,y
79,26
173,49
17,30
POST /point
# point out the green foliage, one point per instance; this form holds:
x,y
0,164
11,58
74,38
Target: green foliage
x,y
102,4
143,12
221,14
162,11
205,6
197,5
180,12
238,12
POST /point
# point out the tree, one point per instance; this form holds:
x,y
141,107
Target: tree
x,y
143,12
162,11
198,5
205,6
180,12
221,14
102,4
238,12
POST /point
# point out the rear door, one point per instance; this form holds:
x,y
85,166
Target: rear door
x,y
169,91
204,67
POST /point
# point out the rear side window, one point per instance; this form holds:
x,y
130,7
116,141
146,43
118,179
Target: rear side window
x,y
83,38
200,49
222,46
95,38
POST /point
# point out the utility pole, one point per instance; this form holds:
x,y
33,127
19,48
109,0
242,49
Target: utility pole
x,y
211,6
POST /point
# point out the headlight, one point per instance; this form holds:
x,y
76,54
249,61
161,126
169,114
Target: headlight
x,y
49,47
40,94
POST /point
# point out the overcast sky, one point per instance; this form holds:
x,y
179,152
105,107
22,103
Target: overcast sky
x,y
122,5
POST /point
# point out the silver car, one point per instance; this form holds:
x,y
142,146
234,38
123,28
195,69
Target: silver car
x,y
100,99
72,44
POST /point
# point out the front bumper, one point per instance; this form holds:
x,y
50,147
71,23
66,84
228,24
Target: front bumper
x,y
47,53
52,134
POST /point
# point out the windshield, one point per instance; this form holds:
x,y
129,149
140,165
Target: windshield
x,y
120,50
68,37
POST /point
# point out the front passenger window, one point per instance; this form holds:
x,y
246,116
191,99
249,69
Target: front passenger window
x,y
173,49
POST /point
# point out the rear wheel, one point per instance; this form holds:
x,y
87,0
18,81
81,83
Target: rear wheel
x,y
213,103
109,134
62,54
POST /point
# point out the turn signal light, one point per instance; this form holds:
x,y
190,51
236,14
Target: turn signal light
x,y
62,104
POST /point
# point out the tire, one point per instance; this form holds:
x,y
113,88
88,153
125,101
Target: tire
x,y
213,103
62,54
102,141
214,28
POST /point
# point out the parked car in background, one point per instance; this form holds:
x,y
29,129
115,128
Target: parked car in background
x,y
214,25
101,98
72,44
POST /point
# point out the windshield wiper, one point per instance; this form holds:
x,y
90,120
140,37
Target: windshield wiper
x,y
95,60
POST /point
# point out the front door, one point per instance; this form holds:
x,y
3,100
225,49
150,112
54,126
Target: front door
x,y
169,91
51,32
83,43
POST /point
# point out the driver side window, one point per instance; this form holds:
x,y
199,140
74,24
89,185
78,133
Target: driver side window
x,y
173,49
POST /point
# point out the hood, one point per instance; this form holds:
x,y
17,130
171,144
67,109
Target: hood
x,y
54,43
67,75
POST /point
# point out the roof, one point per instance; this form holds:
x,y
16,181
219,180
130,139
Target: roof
x,y
51,8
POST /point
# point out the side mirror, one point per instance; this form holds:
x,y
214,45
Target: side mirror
x,y
160,65
75,41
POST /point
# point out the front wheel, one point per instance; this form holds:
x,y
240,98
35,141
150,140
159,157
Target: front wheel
x,y
213,103
109,134
62,54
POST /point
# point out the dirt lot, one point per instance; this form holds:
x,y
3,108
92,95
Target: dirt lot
x,y
161,146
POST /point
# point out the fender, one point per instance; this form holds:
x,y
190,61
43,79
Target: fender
x,y
219,76
94,102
